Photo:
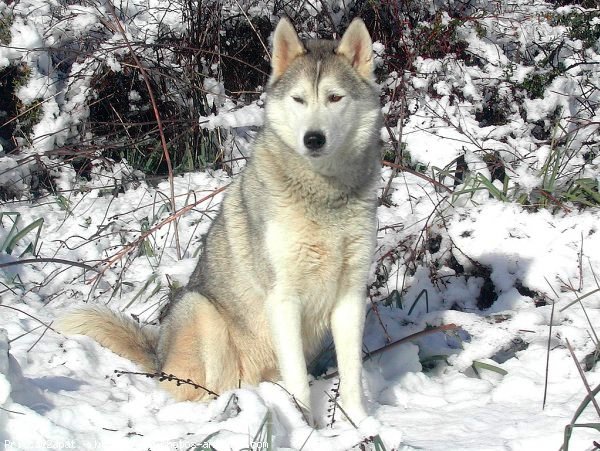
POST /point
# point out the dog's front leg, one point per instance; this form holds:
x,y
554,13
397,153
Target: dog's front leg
x,y
347,324
285,322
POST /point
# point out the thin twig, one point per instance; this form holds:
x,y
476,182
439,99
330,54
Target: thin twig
x,y
255,31
583,379
159,123
595,337
331,398
418,174
39,338
397,143
553,199
24,334
375,310
548,357
302,409
162,376
325,8
307,438
579,299
31,316
12,411
549,342
35,105
48,260
442,328
119,255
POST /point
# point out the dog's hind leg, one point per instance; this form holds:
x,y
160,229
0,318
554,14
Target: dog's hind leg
x,y
196,345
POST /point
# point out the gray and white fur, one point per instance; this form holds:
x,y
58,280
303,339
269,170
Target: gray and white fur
x,y
286,259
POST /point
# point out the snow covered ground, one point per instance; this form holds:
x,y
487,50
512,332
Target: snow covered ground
x,y
489,259
62,392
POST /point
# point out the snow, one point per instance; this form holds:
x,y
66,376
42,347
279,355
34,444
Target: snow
x,y
247,116
65,391
432,392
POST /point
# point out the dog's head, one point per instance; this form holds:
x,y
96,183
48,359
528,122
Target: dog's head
x,y
322,101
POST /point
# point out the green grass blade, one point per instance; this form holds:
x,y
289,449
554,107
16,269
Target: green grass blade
x,y
587,188
14,216
394,298
487,183
21,234
204,445
417,300
263,439
379,446
150,279
584,404
486,366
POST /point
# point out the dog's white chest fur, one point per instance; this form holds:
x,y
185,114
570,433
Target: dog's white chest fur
x,y
311,260
304,254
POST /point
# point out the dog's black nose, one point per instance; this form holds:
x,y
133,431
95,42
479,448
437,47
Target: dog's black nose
x,y
314,140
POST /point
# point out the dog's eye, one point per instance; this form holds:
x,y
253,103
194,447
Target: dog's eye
x,y
298,99
334,98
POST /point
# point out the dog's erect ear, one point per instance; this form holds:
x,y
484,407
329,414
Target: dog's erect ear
x,y
286,47
356,46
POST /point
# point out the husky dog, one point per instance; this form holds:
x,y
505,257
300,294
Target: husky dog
x,y
287,257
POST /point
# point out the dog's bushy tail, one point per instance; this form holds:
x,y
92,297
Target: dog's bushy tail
x,y
114,331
